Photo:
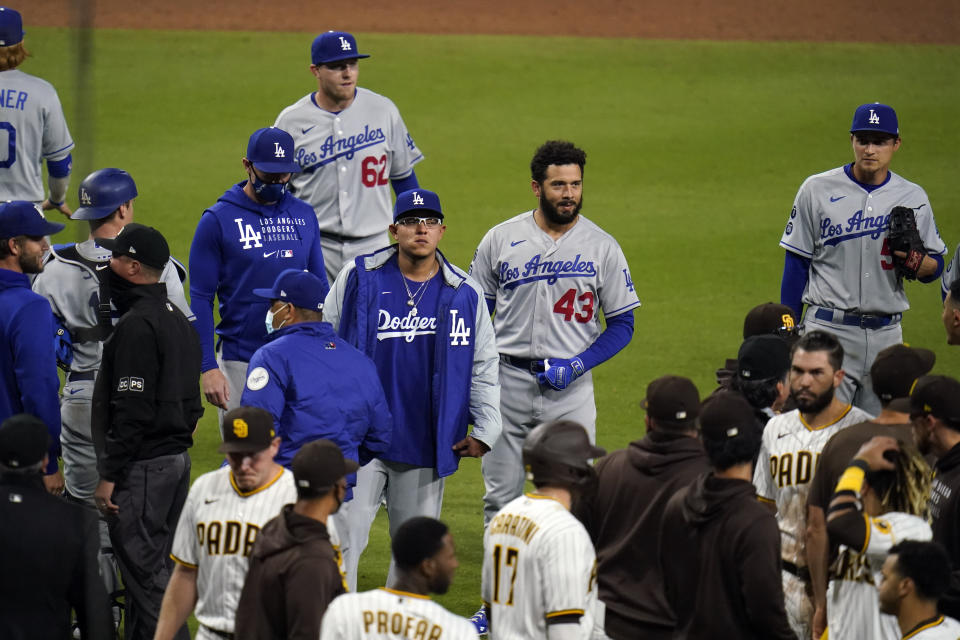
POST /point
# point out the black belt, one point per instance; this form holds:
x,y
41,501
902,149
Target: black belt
x,y
864,321
801,572
218,633
533,366
79,376
329,235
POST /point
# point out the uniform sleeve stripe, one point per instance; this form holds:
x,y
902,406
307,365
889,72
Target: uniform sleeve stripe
x,y
182,562
767,500
794,249
565,612
60,150
615,312
866,538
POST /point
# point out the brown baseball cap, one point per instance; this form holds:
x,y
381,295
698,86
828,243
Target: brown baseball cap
x,y
247,430
672,399
770,317
938,396
726,415
318,465
894,371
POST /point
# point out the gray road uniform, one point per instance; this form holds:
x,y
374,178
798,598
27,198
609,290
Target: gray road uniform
x,y
548,297
853,290
348,160
73,289
32,129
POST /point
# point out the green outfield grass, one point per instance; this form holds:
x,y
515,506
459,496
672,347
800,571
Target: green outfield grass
x,y
695,152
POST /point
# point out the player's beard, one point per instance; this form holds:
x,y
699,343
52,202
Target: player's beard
x,y
552,214
813,405
30,262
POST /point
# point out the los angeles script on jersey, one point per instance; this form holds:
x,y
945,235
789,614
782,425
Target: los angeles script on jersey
x,y
858,225
539,269
331,148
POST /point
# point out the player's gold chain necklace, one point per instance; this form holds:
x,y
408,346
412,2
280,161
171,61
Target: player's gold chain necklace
x,y
414,298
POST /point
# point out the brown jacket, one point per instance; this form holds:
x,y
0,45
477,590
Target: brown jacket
x,y
624,523
293,576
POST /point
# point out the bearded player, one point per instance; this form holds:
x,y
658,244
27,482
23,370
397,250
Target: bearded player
x,y
220,521
351,145
791,447
839,261
547,274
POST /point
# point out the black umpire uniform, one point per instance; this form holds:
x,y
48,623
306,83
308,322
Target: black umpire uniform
x,y
48,547
146,403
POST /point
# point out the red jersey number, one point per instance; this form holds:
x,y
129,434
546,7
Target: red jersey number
x,y
374,171
567,306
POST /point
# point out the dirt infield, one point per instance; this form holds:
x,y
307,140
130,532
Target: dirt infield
x,y
920,21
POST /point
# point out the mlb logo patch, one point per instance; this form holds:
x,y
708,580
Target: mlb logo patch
x,y
286,253
330,345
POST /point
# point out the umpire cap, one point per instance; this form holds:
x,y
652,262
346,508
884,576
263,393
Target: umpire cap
x,y
23,441
102,192
559,453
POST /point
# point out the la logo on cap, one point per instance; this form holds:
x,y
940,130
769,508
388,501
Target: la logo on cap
x,y
278,150
344,44
874,118
417,200
84,197
240,428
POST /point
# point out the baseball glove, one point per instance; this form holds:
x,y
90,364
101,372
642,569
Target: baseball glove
x,y
903,236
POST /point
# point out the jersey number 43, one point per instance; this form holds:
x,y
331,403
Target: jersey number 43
x,y
567,306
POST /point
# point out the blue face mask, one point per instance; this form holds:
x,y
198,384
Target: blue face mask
x,y
269,320
266,191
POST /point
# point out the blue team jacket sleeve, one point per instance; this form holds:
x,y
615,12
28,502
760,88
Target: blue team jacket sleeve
x,y
271,396
796,272
35,364
376,440
615,337
315,262
205,260
485,381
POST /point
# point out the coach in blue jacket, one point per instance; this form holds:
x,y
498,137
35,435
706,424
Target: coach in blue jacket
x,y
424,323
28,364
313,382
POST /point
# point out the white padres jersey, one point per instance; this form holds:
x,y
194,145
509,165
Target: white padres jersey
x,y
789,455
388,614
32,129
843,230
74,294
853,607
347,160
943,628
548,292
950,272
215,534
538,563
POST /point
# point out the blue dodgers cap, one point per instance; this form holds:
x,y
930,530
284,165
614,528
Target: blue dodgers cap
x,y
271,151
416,202
334,45
875,117
300,288
11,27
22,218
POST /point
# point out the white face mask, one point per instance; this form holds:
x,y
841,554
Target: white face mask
x,y
269,321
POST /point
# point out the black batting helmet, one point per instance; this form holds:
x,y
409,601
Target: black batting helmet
x,y
559,453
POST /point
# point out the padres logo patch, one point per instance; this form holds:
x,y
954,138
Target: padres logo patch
x,y
258,379
240,428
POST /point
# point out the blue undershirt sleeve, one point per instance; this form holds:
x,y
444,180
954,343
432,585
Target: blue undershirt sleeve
x,y
491,304
936,274
404,184
615,337
60,168
796,272
204,275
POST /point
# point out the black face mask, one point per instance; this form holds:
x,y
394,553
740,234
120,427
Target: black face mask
x,y
120,289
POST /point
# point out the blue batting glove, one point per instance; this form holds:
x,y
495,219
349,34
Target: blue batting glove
x,y
559,373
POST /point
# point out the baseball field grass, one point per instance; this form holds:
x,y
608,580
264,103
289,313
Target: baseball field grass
x,y
695,152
